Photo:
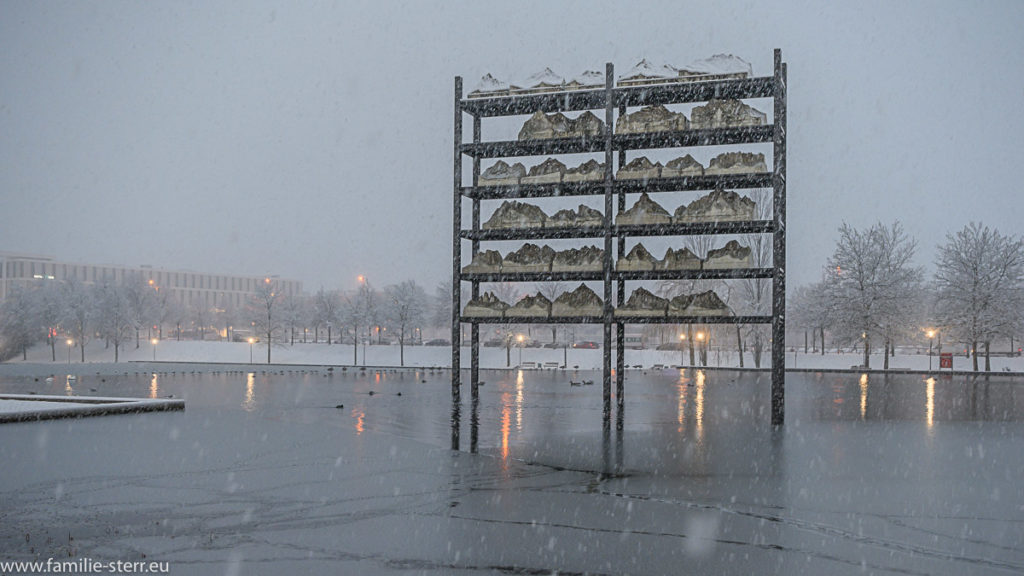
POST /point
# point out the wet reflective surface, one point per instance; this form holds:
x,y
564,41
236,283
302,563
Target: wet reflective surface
x,y
883,474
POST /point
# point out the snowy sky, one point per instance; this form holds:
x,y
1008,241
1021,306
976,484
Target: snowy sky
x,y
314,140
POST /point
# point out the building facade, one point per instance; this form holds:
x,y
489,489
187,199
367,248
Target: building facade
x,y
189,288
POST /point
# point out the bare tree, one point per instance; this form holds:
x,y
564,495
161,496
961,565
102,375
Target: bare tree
x,y
551,289
326,310
874,288
264,304
980,286
140,296
295,310
360,309
404,310
79,311
114,315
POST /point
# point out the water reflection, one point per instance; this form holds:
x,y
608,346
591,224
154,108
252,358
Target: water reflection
x,y
929,403
506,424
699,401
863,395
519,401
249,404
154,386
67,386
360,417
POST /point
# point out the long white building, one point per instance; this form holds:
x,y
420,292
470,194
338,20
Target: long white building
x,y
190,288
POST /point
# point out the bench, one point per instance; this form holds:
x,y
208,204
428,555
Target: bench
x,y
529,366
552,365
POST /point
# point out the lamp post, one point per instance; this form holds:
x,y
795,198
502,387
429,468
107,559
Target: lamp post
x,y
251,340
931,339
519,339
154,343
703,351
682,350
70,344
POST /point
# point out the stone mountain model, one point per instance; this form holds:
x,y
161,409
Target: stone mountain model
x,y
486,262
529,258
580,302
644,212
589,171
536,305
586,259
549,171
726,114
685,166
736,163
639,169
515,214
542,126
681,259
583,216
486,306
718,206
732,255
501,174
637,259
651,119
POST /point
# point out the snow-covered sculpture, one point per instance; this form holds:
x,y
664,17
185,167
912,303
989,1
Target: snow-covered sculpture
x,y
639,169
732,255
717,67
529,258
536,305
501,174
718,206
515,214
589,171
736,163
586,259
583,216
726,114
680,167
647,72
703,304
544,81
487,305
491,87
644,212
651,119
580,302
643,303
588,80
638,258
543,126
549,171
486,262
681,259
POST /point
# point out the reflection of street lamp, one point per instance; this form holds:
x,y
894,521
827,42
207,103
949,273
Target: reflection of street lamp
x,y
682,349
70,344
703,350
519,339
154,342
931,338
251,340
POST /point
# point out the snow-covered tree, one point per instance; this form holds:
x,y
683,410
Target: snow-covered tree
x,y
360,310
874,289
18,330
79,307
295,311
326,311
404,309
980,286
809,310
140,295
114,316
264,308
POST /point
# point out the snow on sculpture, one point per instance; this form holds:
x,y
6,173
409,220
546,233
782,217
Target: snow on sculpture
x,y
717,67
583,216
651,119
639,169
736,163
718,206
726,114
589,171
501,174
643,303
515,214
486,306
486,262
680,167
536,305
529,258
638,258
491,87
732,255
543,126
703,304
644,212
681,259
549,171
586,259
580,302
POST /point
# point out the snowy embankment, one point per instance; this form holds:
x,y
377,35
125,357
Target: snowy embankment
x,y
427,356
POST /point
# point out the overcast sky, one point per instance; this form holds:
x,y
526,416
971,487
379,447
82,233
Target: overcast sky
x,y
314,139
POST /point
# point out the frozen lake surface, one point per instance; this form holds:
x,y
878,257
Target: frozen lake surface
x,y
264,473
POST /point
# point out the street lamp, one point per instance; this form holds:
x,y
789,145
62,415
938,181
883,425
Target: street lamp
x,y
519,339
682,349
251,340
703,350
70,344
154,342
931,338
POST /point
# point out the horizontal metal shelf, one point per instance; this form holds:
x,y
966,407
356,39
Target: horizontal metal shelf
x,y
675,139
618,320
631,186
569,101
698,228
598,276
763,87
594,99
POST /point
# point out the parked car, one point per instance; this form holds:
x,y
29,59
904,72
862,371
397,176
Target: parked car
x,y
495,343
587,345
670,346
556,345
437,342
532,344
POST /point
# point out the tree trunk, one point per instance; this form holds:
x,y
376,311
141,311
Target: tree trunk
x,y
822,340
974,354
885,355
81,345
355,345
53,348
689,338
401,351
805,341
24,351
739,344
554,334
508,356
136,337
329,338
116,346
867,352
988,358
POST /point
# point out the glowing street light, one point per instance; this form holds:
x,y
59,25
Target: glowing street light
x,y
70,344
251,340
682,349
520,338
154,343
931,338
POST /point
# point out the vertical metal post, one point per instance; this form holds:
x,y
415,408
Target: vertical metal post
x,y
609,119
474,350
456,264
779,246
620,299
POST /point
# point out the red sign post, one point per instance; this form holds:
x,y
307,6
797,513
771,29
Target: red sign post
x,y
946,360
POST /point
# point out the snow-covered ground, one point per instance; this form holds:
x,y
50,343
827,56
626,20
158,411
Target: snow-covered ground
x,y
335,354
305,471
